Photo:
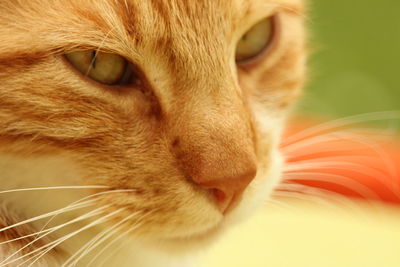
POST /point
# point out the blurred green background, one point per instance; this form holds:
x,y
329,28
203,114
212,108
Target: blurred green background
x,y
355,66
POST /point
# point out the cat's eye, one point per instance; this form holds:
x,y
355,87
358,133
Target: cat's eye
x,y
255,41
105,68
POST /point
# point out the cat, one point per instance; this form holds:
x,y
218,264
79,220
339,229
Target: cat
x,y
133,133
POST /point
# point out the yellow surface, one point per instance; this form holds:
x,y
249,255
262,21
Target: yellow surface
x,y
310,236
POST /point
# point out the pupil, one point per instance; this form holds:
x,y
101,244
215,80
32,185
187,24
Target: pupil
x,y
93,63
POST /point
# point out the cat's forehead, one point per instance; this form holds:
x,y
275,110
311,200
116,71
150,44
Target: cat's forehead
x,y
205,8
199,14
174,15
87,21
152,20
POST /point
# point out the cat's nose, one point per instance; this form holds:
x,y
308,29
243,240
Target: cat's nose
x,y
227,192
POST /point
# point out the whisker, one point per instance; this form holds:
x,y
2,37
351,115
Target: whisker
x,y
382,154
358,139
25,236
82,200
81,203
311,142
345,201
75,207
323,201
277,203
339,163
42,216
60,240
339,123
97,240
98,50
376,175
345,181
136,226
305,156
114,250
338,142
91,196
54,188
80,218
326,161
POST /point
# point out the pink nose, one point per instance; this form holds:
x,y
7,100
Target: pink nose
x,y
227,192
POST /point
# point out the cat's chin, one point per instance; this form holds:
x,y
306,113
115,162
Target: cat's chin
x,y
198,239
192,243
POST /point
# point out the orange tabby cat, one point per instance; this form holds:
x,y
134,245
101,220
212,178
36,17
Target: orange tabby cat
x,y
139,129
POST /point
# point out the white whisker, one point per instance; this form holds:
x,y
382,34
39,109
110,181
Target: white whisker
x,y
339,163
56,242
362,140
97,240
134,227
53,188
98,50
308,190
340,123
376,175
64,210
323,201
42,216
114,250
60,240
342,180
88,197
283,205
335,137
381,153
55,228
25,236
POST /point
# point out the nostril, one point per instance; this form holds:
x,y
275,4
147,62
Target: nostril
x,y
219,195
222,199
227,192
225,202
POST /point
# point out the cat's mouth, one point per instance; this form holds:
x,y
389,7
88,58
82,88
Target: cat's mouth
x,y
232,204
213,230
210,233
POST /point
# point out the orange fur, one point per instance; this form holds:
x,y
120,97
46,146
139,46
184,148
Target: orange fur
x,y
197,114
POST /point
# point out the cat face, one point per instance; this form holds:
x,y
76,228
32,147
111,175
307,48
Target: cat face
x,y
195,137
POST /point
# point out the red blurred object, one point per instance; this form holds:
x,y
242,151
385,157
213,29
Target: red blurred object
x,y
356,163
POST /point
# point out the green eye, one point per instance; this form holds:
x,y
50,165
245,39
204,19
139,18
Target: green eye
x,y
105,68
255,40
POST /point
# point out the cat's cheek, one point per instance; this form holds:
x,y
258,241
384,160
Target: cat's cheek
x,y
182,214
